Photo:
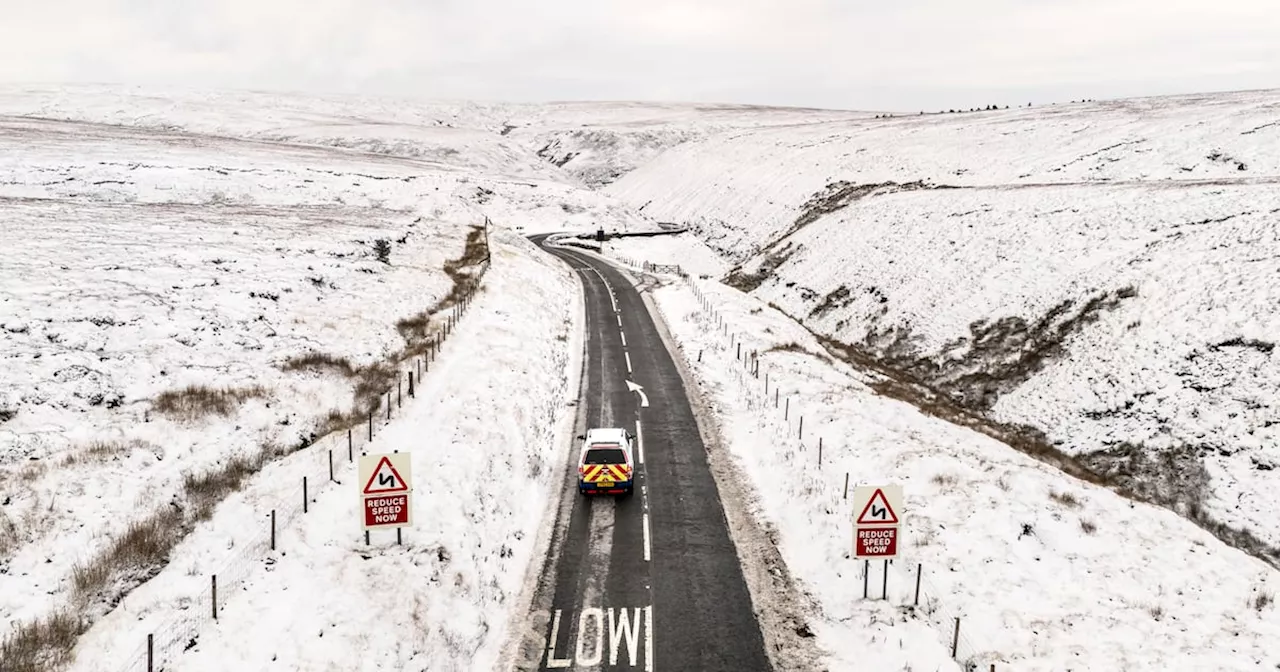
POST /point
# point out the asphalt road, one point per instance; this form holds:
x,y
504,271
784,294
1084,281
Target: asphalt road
x,y
649,582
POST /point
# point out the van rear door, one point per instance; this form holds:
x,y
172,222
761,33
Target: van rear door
x,y
605,464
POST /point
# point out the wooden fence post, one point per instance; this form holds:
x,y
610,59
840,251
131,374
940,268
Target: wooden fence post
x,y
273,529
331,464
919,569
215,597
955,639
304,494
151,653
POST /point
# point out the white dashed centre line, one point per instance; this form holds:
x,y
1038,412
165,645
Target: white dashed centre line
x,y
619,321
640,441
646,537
624,338
628,356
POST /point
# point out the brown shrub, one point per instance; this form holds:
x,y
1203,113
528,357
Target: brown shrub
x,y
1065,498
43,644
197,401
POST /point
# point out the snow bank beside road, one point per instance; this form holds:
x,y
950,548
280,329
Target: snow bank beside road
x,y
1046,572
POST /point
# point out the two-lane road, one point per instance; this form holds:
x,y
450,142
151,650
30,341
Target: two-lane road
x,y
652,581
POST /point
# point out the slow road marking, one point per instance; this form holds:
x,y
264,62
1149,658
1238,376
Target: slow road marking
x,y
625,634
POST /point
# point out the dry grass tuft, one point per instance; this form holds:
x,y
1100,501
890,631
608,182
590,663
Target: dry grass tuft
x,y
1088,526
42,645
135,556
944,479
105,451
197,401
1065,498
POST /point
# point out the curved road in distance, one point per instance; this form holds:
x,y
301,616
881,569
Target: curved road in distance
x,y
652,581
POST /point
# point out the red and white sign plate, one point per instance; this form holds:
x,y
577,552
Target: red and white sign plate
x,y
386,495
879,514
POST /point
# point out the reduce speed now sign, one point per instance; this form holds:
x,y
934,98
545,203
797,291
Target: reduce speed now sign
x,y
877,517
385,494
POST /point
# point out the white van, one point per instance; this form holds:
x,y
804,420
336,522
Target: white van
x,y
606,464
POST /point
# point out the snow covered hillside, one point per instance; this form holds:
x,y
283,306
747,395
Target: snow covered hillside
x,y
1045,572
576,143
1100,278
166,298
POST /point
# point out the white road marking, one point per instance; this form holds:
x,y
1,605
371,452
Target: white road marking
x,y
640,441
624,338
590,614
646,538
586,648
648,638
624,626
628,356
552,661
619,321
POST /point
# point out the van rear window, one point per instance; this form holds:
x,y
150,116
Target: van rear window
x,y
605,456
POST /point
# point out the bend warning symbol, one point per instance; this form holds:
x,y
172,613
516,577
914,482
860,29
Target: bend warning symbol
x,y
878,511
385,479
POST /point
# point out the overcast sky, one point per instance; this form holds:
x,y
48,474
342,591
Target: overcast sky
x,y
858,54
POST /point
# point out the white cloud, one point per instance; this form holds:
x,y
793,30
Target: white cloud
x,y
843,53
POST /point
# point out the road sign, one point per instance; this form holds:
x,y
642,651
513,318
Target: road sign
x,y
386,496
386,511
380,475
878,510
877,542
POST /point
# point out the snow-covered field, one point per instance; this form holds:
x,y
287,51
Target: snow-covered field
x,y
146,260
324,600
1046,572
1107,273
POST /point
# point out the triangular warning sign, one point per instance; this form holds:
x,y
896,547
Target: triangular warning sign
x,y
878,511
385,479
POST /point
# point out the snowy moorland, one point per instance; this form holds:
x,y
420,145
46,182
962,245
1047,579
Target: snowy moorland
x,y
1099,278
325,600
1045,572
160,290
199,291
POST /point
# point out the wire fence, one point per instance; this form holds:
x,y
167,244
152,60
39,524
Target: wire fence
x,y
161,647
902,581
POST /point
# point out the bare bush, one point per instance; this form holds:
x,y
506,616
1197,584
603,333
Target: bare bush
x,y
43,644
1088,526
103,451
197,401
382,250
944,479
135,556
1261,600
1065,498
